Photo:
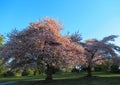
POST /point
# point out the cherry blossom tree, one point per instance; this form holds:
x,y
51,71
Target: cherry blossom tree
x,y
97,51
41,44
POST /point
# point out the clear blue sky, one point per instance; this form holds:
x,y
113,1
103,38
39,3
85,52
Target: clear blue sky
x,y
93,18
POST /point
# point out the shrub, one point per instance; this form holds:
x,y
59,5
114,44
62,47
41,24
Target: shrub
x,y
25,73
9,73
115,69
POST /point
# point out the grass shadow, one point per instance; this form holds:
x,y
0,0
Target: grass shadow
x,y
75,81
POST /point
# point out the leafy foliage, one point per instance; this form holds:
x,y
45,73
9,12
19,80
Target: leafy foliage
x,y
1,39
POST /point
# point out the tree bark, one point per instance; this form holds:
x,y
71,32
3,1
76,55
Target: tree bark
x,y
49,72
89,68
89,71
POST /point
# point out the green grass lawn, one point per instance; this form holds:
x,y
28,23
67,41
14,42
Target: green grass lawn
x,y
80,81
41,77
68,79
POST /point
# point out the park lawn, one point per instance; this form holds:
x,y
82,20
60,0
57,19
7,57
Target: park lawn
x,y
22,78
79,81
41,77
71,79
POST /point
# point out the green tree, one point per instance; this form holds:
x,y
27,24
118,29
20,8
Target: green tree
x,y
2,66
1,39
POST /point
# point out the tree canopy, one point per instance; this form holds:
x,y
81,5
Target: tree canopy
x,y
1,39
97,51
41,43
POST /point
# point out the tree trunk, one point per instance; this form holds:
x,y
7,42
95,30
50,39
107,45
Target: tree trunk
x,y
89,71
89,68
49,72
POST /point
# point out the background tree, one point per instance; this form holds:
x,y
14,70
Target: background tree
x,y
76,37
97,51
2,66
40,44
1,39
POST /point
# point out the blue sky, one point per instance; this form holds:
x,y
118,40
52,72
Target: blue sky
x,y
93,18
